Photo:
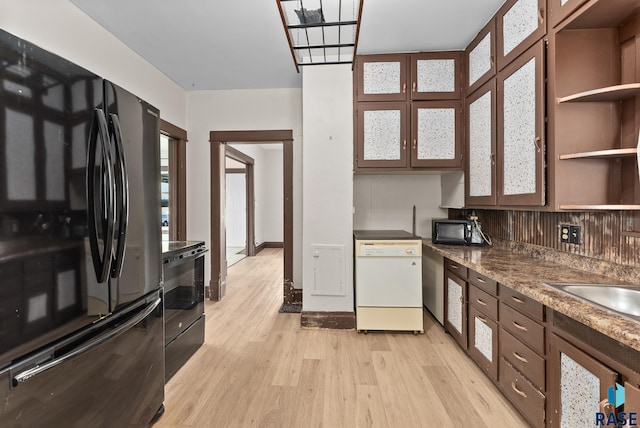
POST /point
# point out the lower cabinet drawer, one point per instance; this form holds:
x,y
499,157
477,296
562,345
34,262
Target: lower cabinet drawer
x,y
522,327
520,356
522,394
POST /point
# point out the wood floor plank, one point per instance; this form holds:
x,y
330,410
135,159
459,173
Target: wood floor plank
x,y
259,368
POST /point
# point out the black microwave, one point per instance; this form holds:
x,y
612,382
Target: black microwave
x,y
455,232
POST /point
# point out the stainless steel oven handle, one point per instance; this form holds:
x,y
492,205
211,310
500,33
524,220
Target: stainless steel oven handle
x,y
35,371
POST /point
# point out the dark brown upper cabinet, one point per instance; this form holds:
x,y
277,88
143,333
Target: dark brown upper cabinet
x,y
521,130
480,58
381,77
480,161
519,24
381,135
560,9
436,134
436,75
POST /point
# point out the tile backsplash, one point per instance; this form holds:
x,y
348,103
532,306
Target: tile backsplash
x,y
610,236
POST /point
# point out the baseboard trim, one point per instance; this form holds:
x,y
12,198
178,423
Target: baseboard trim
x,y
330,320
269,244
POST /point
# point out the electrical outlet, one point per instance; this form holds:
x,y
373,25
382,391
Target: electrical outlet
x,y
574,234
564,233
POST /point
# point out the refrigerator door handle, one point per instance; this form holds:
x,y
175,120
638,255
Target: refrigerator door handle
x,y
121,329
122,202
101,216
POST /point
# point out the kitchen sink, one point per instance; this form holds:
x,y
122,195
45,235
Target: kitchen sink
x,y
623,299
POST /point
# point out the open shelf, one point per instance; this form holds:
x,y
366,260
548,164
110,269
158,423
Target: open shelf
x,y
602,154
610,93
596,207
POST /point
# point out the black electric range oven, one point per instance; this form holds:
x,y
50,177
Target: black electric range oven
x,y
183,271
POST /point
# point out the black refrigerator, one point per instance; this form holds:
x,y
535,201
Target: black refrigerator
x,y
81,331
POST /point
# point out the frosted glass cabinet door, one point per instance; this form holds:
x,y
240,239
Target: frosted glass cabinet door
x,y
483,341
521,130
480,169
520,23
455,308
436,139
381,77
480,57
435,75
382,135
580,384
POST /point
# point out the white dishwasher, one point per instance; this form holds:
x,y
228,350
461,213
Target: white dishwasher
x,y
388,281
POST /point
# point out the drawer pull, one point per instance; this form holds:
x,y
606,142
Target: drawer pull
x,y
519,327
481,302
481,319
481,280
414,86
518,300
520,357
515,388
454,266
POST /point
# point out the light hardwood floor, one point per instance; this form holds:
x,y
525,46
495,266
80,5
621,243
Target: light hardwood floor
x,y
259,368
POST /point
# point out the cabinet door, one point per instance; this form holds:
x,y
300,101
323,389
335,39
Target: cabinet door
x,y
483,341
560,9
521,133
382,135
579,385
436,130
435,76
480,166
455,308
481,57
520,23
381,77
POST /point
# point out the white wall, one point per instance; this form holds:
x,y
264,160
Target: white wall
x,y
236,209
328,183
60,27
269,191
230,111
386,202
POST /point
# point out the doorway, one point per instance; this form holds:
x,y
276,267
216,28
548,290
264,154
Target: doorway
x,y
239,206
219,141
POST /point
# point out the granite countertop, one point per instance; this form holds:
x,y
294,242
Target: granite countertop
x,y
527,274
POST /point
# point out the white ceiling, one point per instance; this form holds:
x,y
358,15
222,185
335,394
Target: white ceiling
x,y
241,44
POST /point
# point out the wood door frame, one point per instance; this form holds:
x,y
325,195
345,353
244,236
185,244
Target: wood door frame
x,y
218,140
248,161
178,170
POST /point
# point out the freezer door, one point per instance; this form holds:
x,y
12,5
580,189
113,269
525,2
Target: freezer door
x,y
134,126
113,378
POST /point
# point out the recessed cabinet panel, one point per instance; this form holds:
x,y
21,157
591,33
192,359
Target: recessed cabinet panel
x,y
436,136
382,140
435,75
519,124
481,141
520,23
521,130
382,77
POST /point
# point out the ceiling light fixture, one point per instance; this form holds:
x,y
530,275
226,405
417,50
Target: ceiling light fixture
x,y
321,31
